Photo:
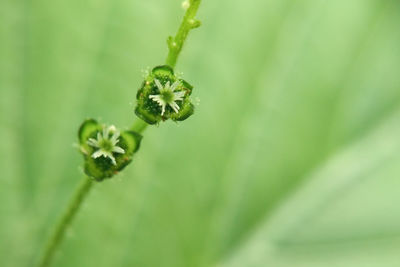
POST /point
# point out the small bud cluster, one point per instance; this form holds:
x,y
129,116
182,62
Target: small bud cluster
x,y
106,150
164,96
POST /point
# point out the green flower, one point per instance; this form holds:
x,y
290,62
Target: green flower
x,y
168,96
163,96
105,149
105,145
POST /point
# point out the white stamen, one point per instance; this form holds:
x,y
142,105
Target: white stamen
x,y
177,96
106,152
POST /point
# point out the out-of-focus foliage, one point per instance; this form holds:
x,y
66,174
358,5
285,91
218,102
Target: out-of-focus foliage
x,y
291,159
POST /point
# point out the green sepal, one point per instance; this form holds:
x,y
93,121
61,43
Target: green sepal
x,y
187,86
133,140
102,167
186,111
163,70
147,116
86,129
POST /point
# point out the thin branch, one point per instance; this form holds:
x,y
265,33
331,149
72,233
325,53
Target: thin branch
x,y
189,22
66,219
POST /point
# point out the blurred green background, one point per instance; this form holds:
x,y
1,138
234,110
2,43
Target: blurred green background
x,y
291,159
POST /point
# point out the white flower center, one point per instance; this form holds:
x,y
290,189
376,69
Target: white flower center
x,y
168,96
105,145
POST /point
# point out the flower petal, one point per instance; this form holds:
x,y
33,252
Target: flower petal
x,y
167,85
117,149
106,131
99,137
174,106
155,97
178,96
97,154
93,142
159,85
174,85
163,109
158,100
110,156
114,138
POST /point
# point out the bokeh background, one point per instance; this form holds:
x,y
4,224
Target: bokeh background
x,y
291,159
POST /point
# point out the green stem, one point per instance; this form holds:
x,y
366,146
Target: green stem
x,y
139,126
65,221
189,22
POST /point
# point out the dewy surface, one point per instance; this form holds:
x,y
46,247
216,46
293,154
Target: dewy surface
x,y
294,94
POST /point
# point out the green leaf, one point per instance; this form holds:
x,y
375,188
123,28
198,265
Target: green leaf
x,y
309,223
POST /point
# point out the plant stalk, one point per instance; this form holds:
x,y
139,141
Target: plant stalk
x,y
65,221
189,22
139,126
